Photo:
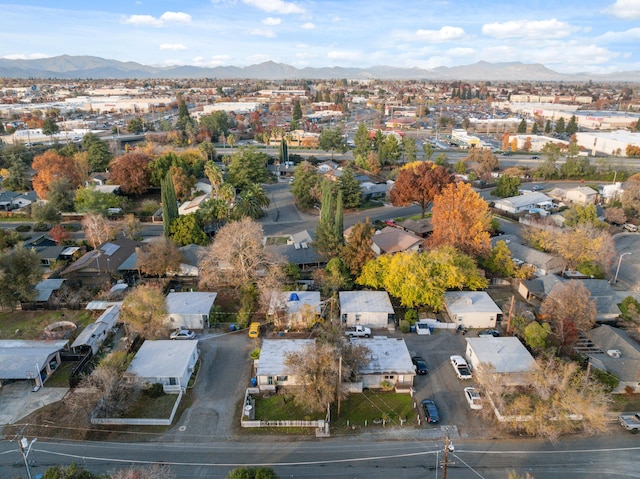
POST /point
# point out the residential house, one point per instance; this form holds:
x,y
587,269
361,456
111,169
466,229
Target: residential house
x,y
165,362
582,195
524,203
94,335
367,308
191,206
25,199
389,361
192,253
472,309
374,190
390,240
298,251
39,241
326,166
33,360
98,178
504,357
189,310
271,369
103,264
422,227
294,309
45,290
6,200
537,289
614,351
544,263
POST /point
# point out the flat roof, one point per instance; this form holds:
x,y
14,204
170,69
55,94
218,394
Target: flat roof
x,y
506,355
190,302
470,302
24,359
365,302
293,301
162,359
273,353
387,356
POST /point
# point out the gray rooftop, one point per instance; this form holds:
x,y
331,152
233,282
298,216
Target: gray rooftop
x,y
627,366
293,301
365,302
524,200
190,302
460,302
387,356
162,359
273,354
23,359
506,355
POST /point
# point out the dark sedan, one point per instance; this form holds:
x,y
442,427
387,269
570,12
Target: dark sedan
x,y
420,365
430,411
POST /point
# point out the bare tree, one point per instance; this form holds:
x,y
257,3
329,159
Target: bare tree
x,y
144,311
159,257
153,471
97,229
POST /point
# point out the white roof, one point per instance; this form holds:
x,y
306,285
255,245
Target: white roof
x,y
525,200
190,303
365,302
506,355
24,359
99,305
105,321
162,359
460,302
293,301
274,352
388,356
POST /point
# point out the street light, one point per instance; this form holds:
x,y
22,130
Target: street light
x,y
25,449
615,279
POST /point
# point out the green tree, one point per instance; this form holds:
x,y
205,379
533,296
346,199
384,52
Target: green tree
x,y
20,271
362,141
252,473
61,195
187,229
549,169
50,127
428,150
331,139
350,188
248,166
499,262
144,311
184,123
296,116
577,167
560,126
19,178
391,149
306,185
45,213
547,127
507,186
284,152
98,154
135,125
208,150
572,126
421,278
91,200
217,124
522,127
535,129
328,239
581,214
251,202
409,149
169,204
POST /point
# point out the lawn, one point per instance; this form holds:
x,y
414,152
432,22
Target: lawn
x,y
155,408
31,324
276,240
60,377
625,402
370,408
281,407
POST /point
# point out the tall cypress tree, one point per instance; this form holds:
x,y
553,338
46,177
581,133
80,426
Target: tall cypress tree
x,y
284,152
327,241
339,219
169,203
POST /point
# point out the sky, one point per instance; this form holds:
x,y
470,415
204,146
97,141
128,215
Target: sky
x,y
567,36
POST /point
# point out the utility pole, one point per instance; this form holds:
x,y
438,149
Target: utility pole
x,y
339,381
25,449
446,458
511,311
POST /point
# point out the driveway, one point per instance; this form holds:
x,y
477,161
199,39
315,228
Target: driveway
x,y
18,400
223,376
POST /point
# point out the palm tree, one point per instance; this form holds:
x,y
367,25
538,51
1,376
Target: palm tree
x,y
251,202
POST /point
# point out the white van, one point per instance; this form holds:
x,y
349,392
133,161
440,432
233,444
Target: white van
x,y
630,227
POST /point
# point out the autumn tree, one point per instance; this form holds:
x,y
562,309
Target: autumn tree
x,y
461,219
236,256
487,162
131,172
182,182
421,278
570,310
97,229
357,250
500,263
615,216
159,257
59,234
50,167
419,182
630,199
144,311
583,214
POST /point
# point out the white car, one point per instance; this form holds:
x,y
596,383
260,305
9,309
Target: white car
x,y
422,328
461,367
183,334
473,398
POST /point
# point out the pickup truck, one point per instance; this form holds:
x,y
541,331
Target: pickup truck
x,y
357,332
461,367
631,422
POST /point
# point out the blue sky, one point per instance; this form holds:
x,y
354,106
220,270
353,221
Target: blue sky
x,y
598,36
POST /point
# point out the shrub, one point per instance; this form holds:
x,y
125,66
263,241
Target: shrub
x,y
610,381
411,315
23,228
255,354
155,390
405,327
41,226
386,385
629,307
149,207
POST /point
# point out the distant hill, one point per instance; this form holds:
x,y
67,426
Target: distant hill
x,y
70,67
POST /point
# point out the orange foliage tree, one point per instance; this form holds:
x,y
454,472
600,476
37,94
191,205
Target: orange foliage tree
x,y
131,172
461,219
419,182
49,167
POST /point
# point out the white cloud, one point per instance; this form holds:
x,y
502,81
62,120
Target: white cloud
x,y
445,34
275,6
261,32
151,21
308,26
214,61
461,52
272,21
304,56
632,34
172,46
343,55
22,56
629,9
529,29
258,58
178,17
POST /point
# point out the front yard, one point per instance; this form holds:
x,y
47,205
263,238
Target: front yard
x,y
31,324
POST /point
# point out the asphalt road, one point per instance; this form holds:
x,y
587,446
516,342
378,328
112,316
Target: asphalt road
x,y
627,244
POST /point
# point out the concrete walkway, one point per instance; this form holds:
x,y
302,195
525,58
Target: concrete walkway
x,y
18,400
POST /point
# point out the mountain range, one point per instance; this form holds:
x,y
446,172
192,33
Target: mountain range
x,y
90,67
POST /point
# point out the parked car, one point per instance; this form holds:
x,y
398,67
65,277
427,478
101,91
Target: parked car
x,y
254,330
473,398
422,328
430,411
420,365
461,367
535,157
489,333
537,187
630,227
183,334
